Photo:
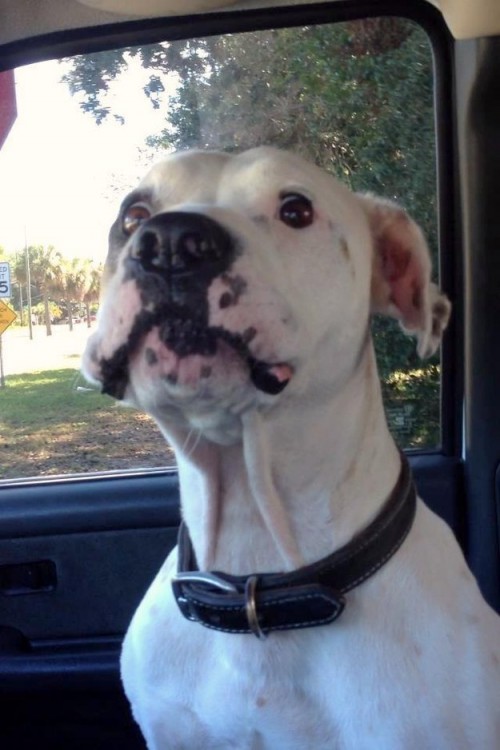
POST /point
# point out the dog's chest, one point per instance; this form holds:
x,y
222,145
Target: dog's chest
x,y
371,674
294,691
217,691
265,713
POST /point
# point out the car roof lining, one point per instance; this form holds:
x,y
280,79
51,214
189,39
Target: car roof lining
x,y
22,19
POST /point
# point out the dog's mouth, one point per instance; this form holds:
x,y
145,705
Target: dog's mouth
x,y
182,334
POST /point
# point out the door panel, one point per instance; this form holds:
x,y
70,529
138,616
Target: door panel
x,y
110,549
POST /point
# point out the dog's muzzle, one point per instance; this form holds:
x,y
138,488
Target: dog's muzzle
x,y
173,258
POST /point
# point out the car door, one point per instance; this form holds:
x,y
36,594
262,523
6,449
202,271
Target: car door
x,y
83,529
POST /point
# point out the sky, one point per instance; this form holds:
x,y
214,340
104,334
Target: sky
x,y
62,177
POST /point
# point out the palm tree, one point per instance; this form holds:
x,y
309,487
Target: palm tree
x,y
45,269
93,289
74,283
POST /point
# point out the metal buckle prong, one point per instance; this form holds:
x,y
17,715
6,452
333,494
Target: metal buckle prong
x,y
209,578
251,608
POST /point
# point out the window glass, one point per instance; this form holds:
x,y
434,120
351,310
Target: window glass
x,y
356,98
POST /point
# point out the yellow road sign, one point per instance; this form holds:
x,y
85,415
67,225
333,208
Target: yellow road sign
x,y
7,316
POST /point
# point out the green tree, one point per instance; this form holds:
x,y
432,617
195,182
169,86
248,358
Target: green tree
x,y
73,283
92,293
54,310
45,270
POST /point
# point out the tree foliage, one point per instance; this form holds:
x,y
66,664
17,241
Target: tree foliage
x,y
43,271
55,281
356,98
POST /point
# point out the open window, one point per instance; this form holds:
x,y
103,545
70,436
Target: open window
x,y
355,96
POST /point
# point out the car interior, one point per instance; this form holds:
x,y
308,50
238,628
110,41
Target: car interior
x,y
399,98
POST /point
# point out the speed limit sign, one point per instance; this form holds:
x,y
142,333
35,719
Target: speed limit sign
x,y
4,279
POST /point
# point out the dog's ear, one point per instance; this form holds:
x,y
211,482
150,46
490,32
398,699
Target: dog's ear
x,y
401,280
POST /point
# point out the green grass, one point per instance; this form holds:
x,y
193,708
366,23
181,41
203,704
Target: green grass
x,y
50,423
48,427
33,399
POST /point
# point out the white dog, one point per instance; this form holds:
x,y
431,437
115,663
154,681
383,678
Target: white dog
x,y
236,313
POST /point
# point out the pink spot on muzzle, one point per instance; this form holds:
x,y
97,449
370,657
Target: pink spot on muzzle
x,y
282,373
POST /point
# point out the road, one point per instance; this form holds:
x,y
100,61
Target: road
x,y
63,349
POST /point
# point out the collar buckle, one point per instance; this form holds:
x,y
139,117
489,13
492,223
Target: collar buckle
x,y
208,579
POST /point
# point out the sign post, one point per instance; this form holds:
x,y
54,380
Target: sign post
x,y
7,316
2,375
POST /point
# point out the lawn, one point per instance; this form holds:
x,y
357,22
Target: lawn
x,y
51,424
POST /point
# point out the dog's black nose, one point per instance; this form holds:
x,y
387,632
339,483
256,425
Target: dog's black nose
x,y
178,244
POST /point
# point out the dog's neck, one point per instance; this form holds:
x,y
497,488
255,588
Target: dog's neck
x,y
291,492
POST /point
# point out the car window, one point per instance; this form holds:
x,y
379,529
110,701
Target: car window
x,y
354,97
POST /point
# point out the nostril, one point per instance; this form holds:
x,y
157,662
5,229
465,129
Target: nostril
x,y
192,250
149,250
189,248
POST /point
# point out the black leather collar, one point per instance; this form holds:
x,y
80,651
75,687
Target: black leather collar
x,y
312,595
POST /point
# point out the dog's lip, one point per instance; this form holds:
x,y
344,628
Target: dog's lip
x,y
269,377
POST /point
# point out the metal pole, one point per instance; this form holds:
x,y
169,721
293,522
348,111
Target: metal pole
x,y
21,303
2,375
28,284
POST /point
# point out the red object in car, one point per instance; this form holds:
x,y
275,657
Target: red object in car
x,y
8,108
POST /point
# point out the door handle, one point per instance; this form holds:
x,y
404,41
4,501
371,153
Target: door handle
x,y
28,578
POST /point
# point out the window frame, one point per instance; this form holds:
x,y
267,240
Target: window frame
x,y
134,33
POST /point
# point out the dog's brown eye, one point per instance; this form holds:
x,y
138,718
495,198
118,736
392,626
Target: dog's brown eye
x,y
134,216
296,211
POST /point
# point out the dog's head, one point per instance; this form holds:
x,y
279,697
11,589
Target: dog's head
x,y
233,281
